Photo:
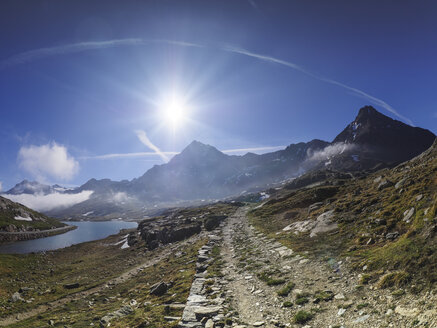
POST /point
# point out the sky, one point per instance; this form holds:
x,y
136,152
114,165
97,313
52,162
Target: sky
x,y
107,89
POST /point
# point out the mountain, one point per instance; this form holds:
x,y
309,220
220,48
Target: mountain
x,y
374,140
33,188
201,172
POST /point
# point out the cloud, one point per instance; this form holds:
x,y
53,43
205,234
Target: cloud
x,y
142,136
253,149
253,4
128,155
47,161
36,54
329,151
294,66
120,197
50,201
172,153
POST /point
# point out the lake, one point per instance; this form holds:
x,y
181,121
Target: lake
x,y
86,231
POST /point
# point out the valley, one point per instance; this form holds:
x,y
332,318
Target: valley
x,y
325,250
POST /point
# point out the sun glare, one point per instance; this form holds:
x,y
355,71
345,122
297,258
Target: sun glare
x,y
174,112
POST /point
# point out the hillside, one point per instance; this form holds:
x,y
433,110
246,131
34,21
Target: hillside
x,y
15,217
385,222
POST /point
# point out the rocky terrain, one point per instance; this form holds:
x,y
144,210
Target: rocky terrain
x,y
255,281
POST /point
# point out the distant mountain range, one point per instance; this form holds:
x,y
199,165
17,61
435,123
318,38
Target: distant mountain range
x,y
201,172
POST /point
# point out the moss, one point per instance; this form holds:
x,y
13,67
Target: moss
x,y
286,289
287,304
302,317
302,298
326,296
267,277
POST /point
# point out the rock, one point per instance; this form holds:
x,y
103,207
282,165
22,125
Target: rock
x,y
258,324
124,311
16,297
408,214
384,184
324,223
206,311
209,324
419,197
362,318
341,312
72,285
51,323
314,207
389,312
159,289
171,319
339,296
400,183
392,235
407,312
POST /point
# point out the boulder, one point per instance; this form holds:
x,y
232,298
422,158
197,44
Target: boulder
x,y
159,289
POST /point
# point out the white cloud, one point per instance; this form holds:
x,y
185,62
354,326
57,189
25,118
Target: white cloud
x,y
50,201
36,54
142,136
171,153
330,151
128,155
120,197
252,150
48,161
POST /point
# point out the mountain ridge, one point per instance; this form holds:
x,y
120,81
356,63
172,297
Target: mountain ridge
x,y
202,172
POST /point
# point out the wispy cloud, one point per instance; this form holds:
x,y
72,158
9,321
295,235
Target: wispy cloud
x,y
253,4
128,155
253,149
355,91
172,153
330,151
36,54
142,136
32,55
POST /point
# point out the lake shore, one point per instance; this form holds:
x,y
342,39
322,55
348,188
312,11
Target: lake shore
x,y
7,237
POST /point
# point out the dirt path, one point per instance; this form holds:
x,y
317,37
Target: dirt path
x,y
326,291
156,257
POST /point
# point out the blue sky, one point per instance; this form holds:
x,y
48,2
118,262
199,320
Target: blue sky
x,y
83,82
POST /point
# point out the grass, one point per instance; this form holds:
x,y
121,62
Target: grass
x,y
325,296
392,279
149,311
365,215
269,279
302,298
286,289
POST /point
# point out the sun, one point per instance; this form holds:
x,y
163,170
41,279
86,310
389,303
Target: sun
x,y
174,112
